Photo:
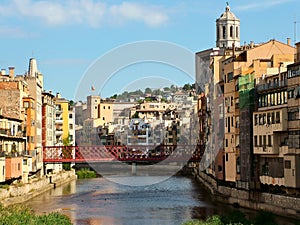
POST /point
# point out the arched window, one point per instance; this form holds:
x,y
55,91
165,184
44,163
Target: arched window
x,y
231,31
218,33
237,32
224,32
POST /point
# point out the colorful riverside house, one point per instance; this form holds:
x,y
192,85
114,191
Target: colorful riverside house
x,y
12,145
258,61
30,132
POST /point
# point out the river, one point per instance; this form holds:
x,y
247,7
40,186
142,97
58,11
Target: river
x,y
101,201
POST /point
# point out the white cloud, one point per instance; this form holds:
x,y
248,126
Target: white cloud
x,y
150,15
261,5
88,12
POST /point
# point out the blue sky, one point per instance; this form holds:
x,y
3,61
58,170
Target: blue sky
x,y
66,37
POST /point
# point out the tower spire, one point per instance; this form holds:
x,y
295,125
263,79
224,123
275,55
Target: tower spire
x,y
32,69
228,29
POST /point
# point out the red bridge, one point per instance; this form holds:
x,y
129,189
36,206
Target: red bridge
x,y
129,154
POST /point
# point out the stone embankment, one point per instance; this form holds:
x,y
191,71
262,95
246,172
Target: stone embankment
x,y
19,193
277,204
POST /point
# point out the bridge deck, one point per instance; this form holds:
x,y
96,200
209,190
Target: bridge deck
x,y
139,154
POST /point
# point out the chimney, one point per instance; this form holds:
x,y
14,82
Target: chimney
x,y
3,72
11,72
288,42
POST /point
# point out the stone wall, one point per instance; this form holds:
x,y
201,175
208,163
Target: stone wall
x,y
277,204
22,192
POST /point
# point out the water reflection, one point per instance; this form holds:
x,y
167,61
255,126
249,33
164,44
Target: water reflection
x,y
100,201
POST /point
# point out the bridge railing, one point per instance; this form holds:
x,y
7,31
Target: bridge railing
x,y
121,153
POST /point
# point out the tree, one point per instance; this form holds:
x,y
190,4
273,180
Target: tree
x,y
114,96
148,90
187,87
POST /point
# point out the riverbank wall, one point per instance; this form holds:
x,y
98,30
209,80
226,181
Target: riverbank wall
x,y
19,193
277,204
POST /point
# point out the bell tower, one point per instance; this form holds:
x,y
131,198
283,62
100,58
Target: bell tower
x,y
228,29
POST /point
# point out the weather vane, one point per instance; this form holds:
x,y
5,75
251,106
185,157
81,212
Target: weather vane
x,y
227,3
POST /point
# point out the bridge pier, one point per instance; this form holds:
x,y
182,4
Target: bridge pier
x,y
133,168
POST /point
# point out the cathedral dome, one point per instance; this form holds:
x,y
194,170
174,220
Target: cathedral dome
x,y
228,15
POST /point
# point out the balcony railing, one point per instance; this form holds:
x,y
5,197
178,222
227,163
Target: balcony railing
x,y
271,85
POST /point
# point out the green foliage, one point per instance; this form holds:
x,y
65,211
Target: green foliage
x,y
114,96
148,91
214,220
66,166
20,214
235,217
85,173
264,218
135,115
187,87
4,186
66,141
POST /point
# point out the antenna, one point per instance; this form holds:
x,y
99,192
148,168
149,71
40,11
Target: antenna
x,y
295,31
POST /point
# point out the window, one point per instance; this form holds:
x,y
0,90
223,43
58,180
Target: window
x,y
26,104
287,164
224,32
237,32
264,119
264,141
277,117
255,141
103,118
269,140
226,157
229,77
260,140
70,116
256,119
103,107
273,117
220,168
269,118
291,93
261,120
231,31
226,142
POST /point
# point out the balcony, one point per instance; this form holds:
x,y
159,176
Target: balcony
x,y
266,150
58,132
271,86
272,180
59,120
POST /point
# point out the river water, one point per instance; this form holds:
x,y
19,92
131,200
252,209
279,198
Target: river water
x,y
101,201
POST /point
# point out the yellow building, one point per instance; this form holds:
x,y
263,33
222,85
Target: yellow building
x,y
106,112
61,119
